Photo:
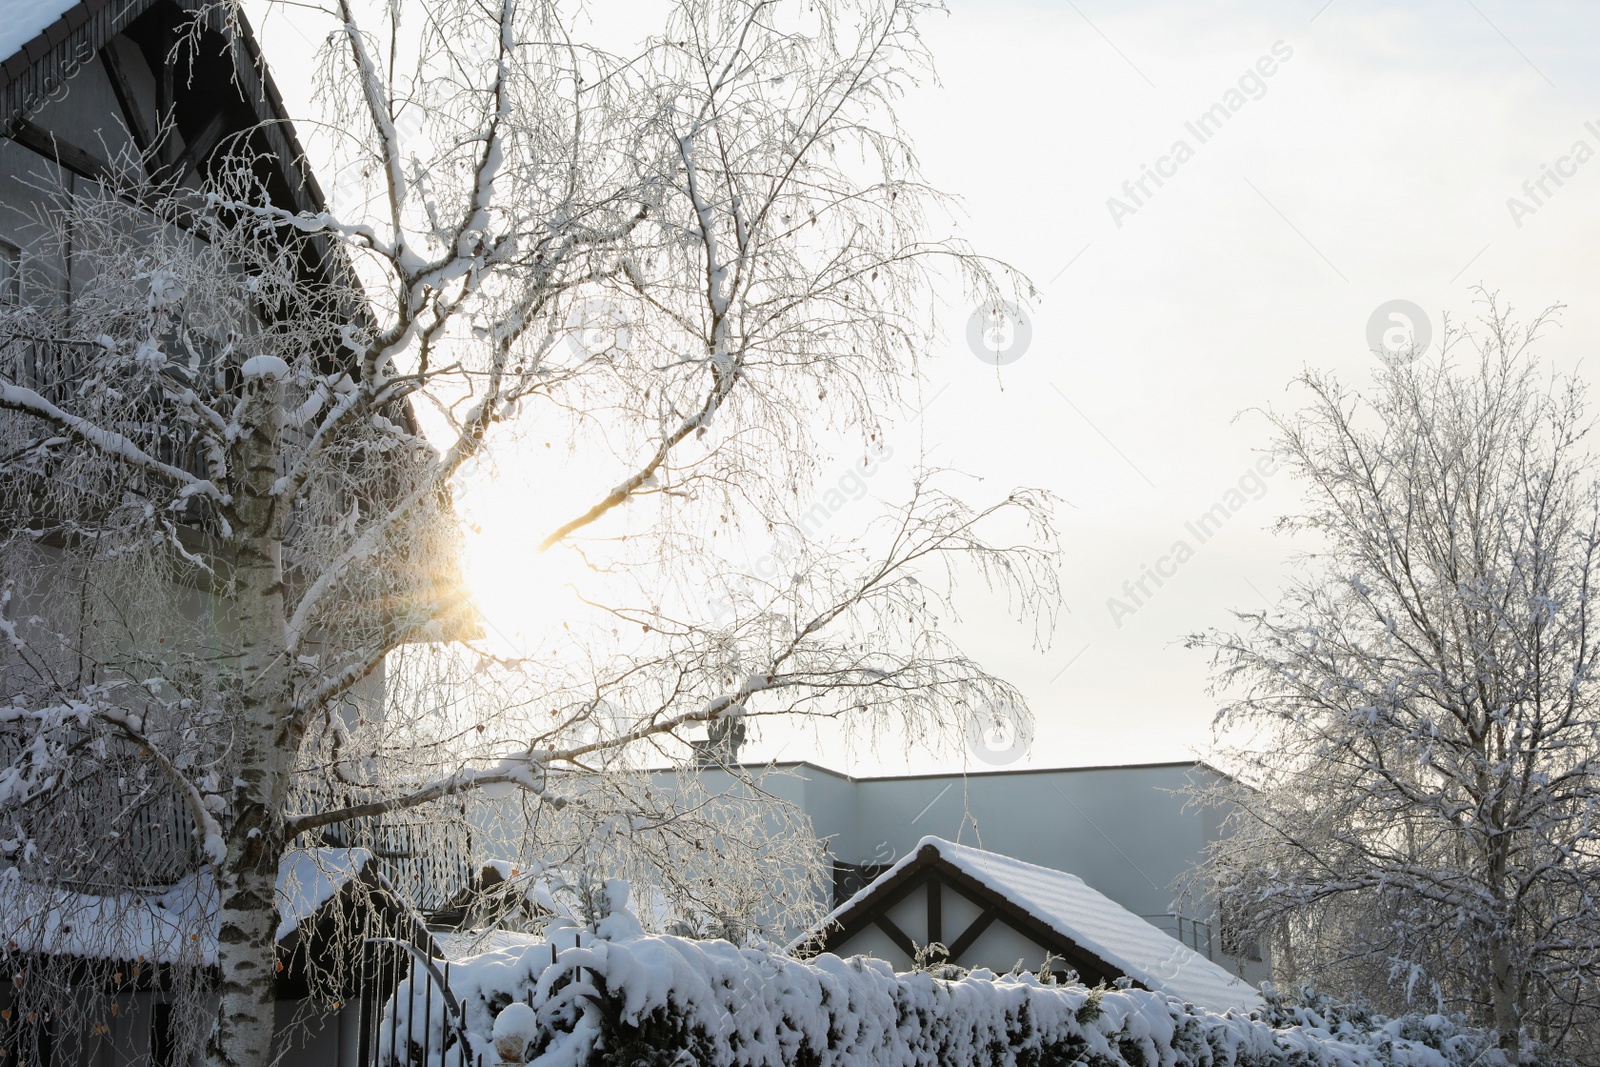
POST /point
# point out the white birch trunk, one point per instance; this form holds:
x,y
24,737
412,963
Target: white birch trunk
x,y
248,879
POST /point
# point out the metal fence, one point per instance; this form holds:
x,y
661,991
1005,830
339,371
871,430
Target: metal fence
x,y
387,965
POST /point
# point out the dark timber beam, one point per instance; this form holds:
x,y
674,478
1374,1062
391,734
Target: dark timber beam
x,y
897,935
64,153
199,150
127,101
1089,966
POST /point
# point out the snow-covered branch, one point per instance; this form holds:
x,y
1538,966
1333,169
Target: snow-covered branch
x,y
108,442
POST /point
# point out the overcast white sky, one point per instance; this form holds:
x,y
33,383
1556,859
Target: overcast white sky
x,y
1374,164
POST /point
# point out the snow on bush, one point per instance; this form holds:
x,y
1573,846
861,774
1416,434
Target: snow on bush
x,y
667,1001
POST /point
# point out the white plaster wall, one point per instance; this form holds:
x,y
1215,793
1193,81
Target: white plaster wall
x,y
956,914
911,915
1000,947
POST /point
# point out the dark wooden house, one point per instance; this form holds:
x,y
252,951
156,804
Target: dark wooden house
x,y
90,89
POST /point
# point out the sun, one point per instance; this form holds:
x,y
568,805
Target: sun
x,y
520,592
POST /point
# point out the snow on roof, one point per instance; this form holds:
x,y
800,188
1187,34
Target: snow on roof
x,y
142,925
1089,918
163,925
26,19
466,944
309,879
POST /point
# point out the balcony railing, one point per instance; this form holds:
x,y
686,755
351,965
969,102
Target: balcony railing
x,y
57,371
414,849
1196,933
120,825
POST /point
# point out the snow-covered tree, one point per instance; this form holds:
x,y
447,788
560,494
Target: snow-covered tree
x,y
1415,819
226,528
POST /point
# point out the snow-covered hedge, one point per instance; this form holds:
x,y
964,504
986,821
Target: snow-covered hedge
x,y
670,1001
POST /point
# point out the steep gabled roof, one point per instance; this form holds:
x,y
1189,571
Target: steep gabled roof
x,y
43,43
1056,909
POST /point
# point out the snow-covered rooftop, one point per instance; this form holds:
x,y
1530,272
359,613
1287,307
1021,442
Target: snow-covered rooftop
x,y
309,879
160,924
1090,919
26,19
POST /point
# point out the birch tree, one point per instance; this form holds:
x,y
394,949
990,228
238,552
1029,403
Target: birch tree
x,y
229,460
1415,817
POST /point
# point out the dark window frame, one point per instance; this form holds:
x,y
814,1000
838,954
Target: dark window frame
x,y
10,273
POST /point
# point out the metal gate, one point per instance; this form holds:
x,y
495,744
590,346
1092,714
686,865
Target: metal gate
x,y
396,1035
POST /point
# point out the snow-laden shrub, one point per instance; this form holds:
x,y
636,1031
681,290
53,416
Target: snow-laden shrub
x,y
1308,1009
669,1001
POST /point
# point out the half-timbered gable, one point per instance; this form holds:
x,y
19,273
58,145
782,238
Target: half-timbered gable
x,y
964,906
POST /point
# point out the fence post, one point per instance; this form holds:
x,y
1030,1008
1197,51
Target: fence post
x,y
394,1016
442,1042
427,1017
364,1049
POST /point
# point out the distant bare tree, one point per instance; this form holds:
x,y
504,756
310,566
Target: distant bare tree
x,y
1416,812
223,521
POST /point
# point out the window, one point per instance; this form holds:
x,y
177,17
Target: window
x,y
10,273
